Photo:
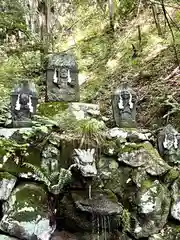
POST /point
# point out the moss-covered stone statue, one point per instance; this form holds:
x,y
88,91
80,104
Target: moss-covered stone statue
x,y
124,106
62,78
23,104
169,144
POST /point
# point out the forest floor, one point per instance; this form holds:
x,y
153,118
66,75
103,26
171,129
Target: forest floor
x,y
153,74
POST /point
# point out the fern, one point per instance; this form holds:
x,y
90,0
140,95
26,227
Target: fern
x,y
55,181
39,172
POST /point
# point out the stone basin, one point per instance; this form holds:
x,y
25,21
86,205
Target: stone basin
x,y
100,204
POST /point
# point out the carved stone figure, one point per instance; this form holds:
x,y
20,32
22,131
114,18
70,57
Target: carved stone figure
x,y
23,104
124,106
169,144
85,162
62,78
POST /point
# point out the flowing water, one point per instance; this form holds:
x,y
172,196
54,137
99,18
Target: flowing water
x,y
90,194
100,224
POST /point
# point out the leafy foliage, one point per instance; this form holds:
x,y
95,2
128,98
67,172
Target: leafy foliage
x,y
10,149
11,18
55,181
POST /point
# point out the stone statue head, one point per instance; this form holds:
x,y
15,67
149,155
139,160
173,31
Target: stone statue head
x,y
64,73
85,162
124,106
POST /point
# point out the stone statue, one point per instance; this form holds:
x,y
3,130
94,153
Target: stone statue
x,y
124,106
169,144
85,162
23,104
62,78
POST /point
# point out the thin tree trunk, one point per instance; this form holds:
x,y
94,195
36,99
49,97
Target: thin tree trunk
x,y
172,34
111,14
48,19
139,37
156,19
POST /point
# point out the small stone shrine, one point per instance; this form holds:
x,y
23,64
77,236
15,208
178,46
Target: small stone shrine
x,y
62,78
169,144
124,106
23,104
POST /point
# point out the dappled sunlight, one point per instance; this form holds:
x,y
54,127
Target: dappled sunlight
x,y
112,64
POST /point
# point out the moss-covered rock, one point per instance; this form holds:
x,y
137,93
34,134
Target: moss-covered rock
x,y
106,165
26,213
171,175
169,232
7,183
175,208
153,209
140,177
143,154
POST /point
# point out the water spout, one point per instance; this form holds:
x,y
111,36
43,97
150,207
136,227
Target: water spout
x,y
90,192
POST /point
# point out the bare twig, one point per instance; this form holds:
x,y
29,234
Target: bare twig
x,y
173,22
166,5
173,73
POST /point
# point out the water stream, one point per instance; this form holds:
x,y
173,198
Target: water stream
x,y
100,223
90,192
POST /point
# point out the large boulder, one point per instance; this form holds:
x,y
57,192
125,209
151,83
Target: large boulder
x,y
143,155
175,208
153,208
25,214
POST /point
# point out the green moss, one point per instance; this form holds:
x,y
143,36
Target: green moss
x,y
113,164
171,175
6,175
151,150
110,195
50,109
130,147
31,197
146,184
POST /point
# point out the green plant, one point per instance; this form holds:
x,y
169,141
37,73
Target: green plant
x,y
126,220
55,181
11,149
90,129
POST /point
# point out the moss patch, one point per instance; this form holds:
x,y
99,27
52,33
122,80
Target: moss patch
x,y
172,175
49,109
6,175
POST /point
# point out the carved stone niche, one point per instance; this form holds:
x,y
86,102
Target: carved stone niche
x,y
124,107
168,143
62,78
23,104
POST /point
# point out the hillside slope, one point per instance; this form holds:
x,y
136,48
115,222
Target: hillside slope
x,y
149,74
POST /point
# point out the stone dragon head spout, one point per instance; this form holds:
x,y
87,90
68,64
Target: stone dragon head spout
x,y
84,160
